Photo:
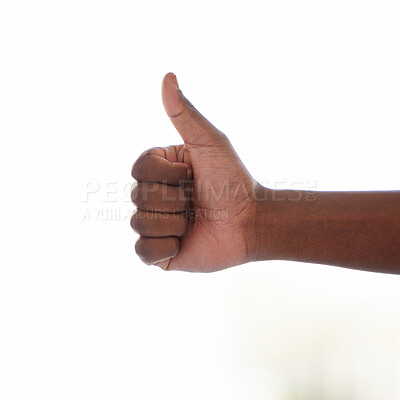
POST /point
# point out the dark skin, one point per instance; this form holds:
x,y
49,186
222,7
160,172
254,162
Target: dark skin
x,y
199,209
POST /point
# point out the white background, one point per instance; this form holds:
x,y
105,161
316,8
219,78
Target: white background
x,y
307,91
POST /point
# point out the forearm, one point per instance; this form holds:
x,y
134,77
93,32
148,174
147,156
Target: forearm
x,y
359,230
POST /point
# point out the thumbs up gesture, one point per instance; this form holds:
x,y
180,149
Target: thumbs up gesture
x,y
196,202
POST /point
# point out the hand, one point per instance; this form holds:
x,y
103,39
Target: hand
x,y
213,228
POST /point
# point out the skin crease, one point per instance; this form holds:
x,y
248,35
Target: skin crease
x,y
199,209
218,236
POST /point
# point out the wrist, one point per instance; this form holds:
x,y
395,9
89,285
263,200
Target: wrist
x,y
265,225
262,229
277,221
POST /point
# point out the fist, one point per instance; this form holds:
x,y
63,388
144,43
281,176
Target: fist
x,y
196,202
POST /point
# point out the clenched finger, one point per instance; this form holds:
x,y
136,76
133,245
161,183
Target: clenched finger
x,y
154,250
151,167
152,196
155,224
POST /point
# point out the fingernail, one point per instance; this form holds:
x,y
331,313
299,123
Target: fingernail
x,y
175,81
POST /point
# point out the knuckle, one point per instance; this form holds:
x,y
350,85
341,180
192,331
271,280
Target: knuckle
x,y
139,166
136,222
135,193
141,249
143,193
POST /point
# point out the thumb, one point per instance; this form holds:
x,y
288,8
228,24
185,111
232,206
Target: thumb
x,y
191,125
